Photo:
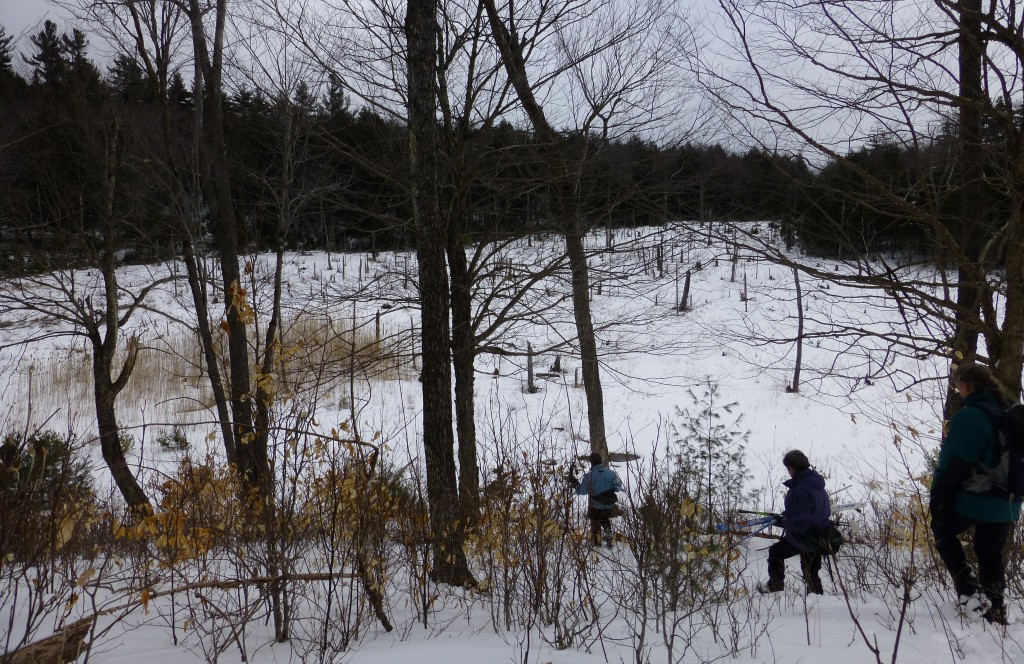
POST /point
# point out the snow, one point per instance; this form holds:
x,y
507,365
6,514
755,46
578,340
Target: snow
x,y
868,439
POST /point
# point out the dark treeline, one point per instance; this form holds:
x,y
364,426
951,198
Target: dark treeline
x,y
68,125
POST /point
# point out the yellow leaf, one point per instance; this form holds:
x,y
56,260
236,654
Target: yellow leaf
x,y
84,577
145,601
64,532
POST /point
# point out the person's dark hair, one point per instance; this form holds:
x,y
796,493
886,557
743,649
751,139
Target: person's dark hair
x,y
796,460
595,458
979,377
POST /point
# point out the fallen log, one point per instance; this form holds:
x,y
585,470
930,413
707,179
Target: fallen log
x,y
61,647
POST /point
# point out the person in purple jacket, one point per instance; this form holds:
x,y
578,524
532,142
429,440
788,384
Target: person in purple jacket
x,y
806,515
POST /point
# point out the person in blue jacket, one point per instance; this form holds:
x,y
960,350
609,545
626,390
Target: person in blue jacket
x,y
961,500
600,483
806,516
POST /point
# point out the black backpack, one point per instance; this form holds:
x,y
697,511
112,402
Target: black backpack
x,y
828,539
1006,478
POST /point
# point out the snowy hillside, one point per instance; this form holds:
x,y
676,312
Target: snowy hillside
x,y
866,417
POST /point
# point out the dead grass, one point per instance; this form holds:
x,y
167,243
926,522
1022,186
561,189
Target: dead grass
x,y
318,355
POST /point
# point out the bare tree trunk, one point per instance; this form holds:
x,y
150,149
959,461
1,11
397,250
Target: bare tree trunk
x,y
105,392
972,208
197,285
447,529
684,304
212,151
463,356
571,223
104,347
153,33
795,387
1011,347
591,370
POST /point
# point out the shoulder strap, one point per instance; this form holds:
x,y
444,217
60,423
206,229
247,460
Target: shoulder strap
x,y
995,412
998,416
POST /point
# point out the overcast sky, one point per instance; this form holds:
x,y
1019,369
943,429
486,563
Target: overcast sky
x,y
20,16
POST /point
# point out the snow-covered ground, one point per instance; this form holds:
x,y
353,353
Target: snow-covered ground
x,y
866,423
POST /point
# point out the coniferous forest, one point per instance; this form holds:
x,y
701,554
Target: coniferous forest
x,y
70,122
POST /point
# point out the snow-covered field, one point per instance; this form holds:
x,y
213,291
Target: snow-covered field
x,y
865,417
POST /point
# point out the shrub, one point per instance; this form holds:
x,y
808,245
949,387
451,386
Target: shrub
x,y
192,514
708,456
46,495
173,440
126,441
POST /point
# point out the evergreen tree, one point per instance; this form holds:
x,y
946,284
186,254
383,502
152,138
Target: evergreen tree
x,y
304,98
60,61
10,81
128,80
337,105
49,66
708,453
81,70
178,94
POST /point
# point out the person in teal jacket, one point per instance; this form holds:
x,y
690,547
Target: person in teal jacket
x,y
600,484
960,500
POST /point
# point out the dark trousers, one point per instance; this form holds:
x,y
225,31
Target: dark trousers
x,y
988,541
600,520
810,565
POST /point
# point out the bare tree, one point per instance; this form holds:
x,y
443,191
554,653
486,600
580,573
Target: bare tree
x,y
90,217
864,70
450,564
157,33
602,47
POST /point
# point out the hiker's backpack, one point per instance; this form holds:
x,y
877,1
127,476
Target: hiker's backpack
x,y
828,539
1006,478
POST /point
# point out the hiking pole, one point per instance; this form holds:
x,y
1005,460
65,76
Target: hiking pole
x,y
758,513
728,526
755,531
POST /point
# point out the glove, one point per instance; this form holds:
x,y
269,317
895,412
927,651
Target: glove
x,y
571,479
939,511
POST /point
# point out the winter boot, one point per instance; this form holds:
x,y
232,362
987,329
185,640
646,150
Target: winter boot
x,y
995,614
814,587
973,605
771,587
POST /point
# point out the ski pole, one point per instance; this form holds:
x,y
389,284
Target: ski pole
x,y
756,512
756,531
745,523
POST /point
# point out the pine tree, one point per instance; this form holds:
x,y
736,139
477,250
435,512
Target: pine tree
x,y
128,80
10,81
709,454
337,105
49,66
178,94
81,70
